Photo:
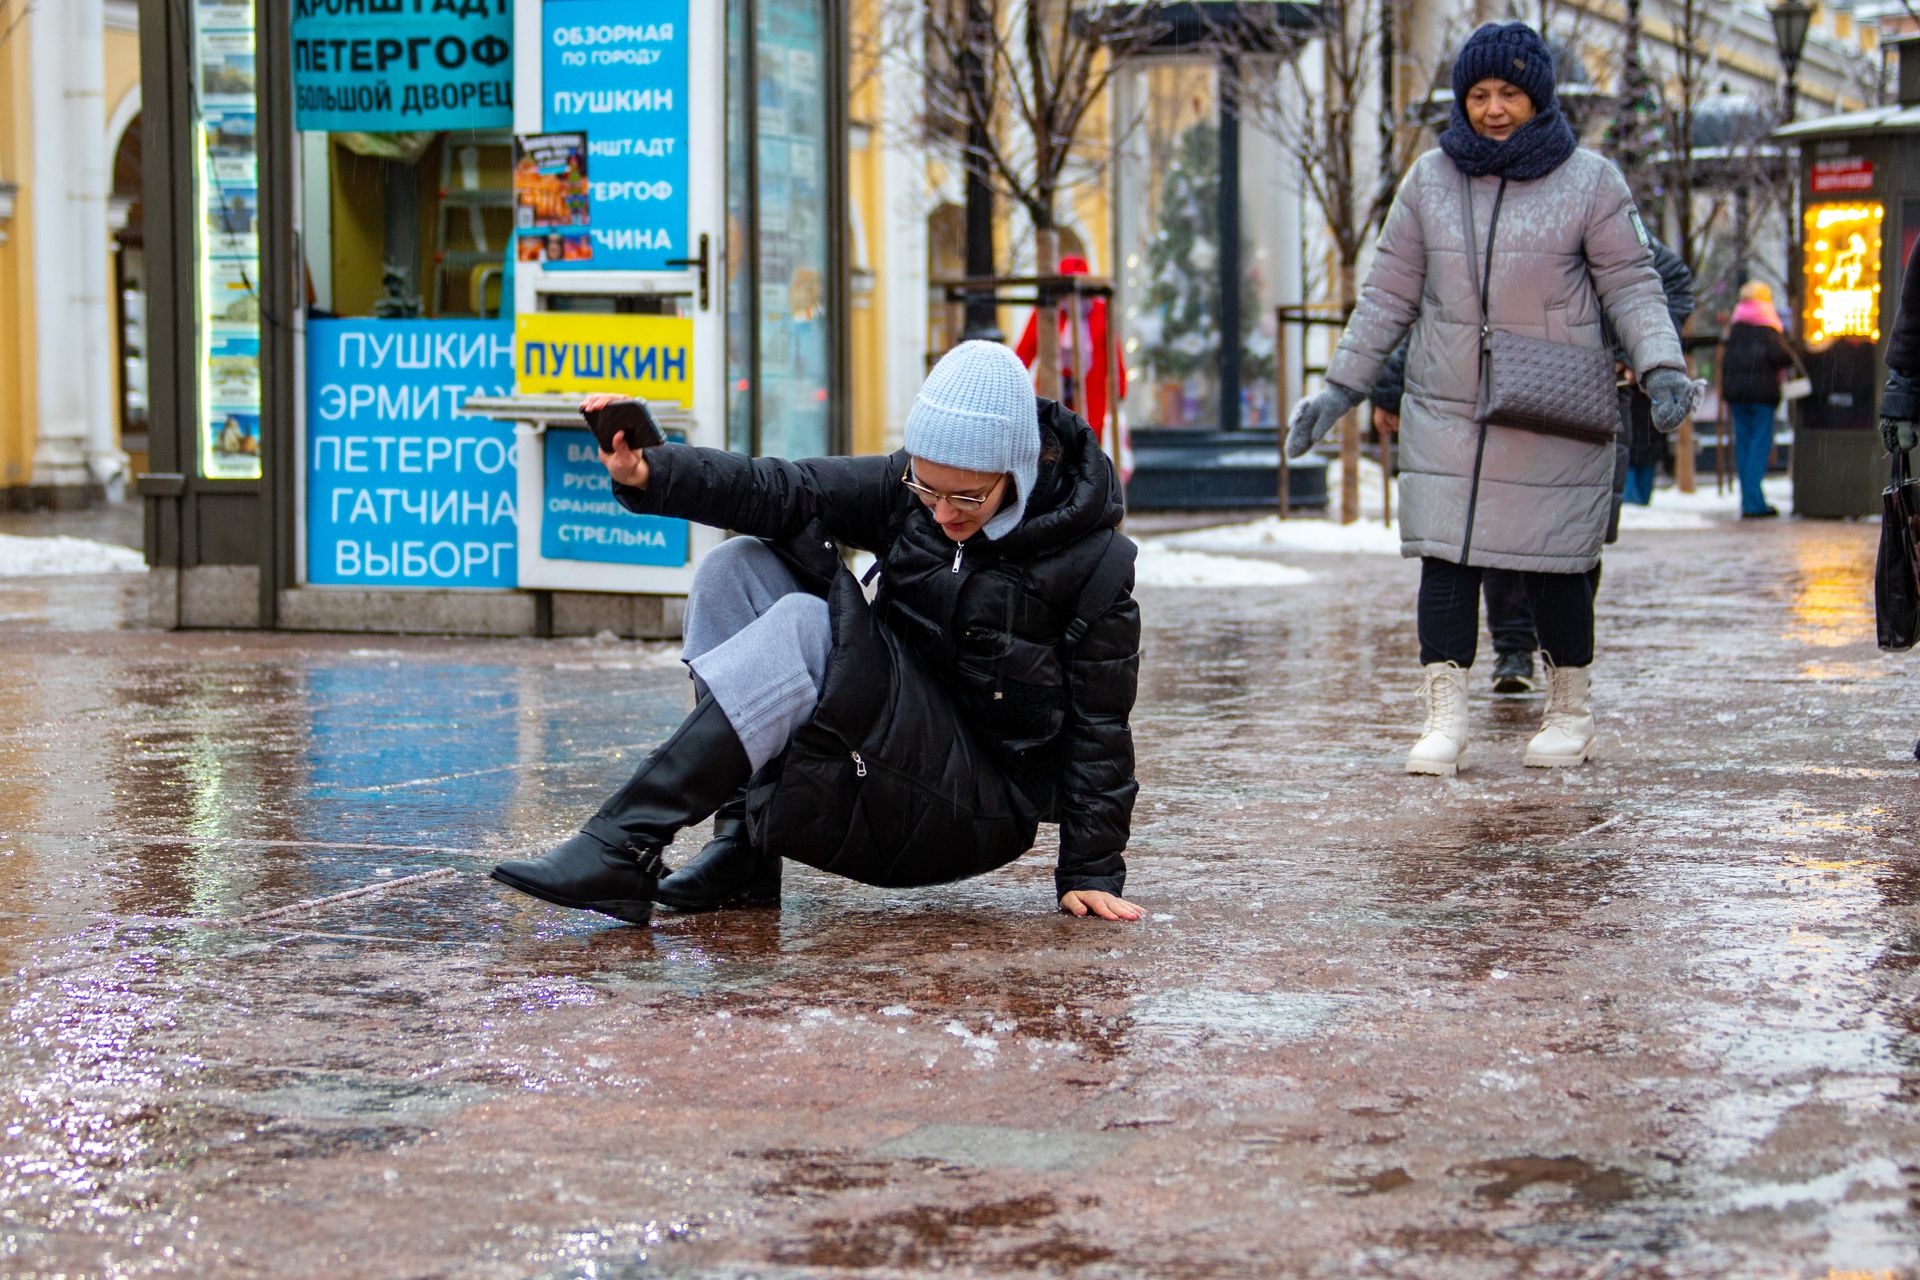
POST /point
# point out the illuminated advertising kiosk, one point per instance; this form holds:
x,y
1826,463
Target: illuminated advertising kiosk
x,y
410,235
1858,196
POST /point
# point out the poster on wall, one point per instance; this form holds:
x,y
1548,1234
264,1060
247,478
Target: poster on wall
x,y
226,173
561,353
403,489
551,198
580,519
399,65
617,71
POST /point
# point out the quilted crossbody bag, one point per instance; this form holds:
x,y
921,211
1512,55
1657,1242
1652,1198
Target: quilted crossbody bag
x,y
1553,388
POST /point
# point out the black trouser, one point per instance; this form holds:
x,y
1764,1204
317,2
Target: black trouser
x,y
1561,605
1510,612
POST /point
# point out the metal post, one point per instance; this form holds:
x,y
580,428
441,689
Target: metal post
x,y
1742,233
1280,399
1229,231
982,316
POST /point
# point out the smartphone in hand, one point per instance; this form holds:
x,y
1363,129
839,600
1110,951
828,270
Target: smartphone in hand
x,y
628,416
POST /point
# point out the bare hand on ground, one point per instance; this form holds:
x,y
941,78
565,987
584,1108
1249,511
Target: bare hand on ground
x,y
1081,902
626,466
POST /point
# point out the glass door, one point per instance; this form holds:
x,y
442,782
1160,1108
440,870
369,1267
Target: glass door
x,y
786,212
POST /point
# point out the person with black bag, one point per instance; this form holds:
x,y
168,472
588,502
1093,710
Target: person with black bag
x,y
1509,611
1896,579
1507,252
1754,356
913,740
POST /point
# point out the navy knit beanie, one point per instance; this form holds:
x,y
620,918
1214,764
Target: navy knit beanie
x,y
1510,51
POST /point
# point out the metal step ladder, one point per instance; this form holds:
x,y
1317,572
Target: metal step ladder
x,y
462,272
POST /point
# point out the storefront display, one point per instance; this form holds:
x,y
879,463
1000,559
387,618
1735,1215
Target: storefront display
x,y
383,66
418,240
791,146
617,71
404,489
228,188
552,198
1841,260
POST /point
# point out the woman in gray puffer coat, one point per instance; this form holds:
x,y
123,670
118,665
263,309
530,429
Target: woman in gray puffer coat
x,y
1568,249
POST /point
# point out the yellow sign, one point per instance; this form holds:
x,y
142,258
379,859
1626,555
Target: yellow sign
x,y
1842,256
650,357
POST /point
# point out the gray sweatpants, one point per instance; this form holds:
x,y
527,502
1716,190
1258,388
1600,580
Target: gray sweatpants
x,y
758,643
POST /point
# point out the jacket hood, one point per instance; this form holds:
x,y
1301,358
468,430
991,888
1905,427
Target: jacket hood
x,y
1075,492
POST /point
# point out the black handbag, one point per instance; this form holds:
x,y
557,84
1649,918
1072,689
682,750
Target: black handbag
x,y
1536,384
1896,574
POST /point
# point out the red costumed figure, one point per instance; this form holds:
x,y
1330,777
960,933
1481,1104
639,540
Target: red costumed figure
x,y
1083,342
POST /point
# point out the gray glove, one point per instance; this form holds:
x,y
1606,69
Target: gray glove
x,y
1315,416
1899,410
1671,392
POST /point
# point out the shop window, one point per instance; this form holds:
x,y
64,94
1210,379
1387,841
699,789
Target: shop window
x,y
415,225
791,150
1171,253
1169,238
226,174
778,200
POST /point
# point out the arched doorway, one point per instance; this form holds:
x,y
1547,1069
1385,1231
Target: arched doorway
x,y
126,224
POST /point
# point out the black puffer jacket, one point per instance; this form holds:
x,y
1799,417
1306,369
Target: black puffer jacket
x,y
986,620
1903,348
1751,365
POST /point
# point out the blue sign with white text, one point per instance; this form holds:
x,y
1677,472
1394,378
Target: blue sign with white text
x,y
616,70
382,66
403,489
583,521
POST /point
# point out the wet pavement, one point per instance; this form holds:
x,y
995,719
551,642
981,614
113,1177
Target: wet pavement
x,y
1658,1017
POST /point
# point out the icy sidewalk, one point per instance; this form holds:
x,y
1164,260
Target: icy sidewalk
x,y
1652,1019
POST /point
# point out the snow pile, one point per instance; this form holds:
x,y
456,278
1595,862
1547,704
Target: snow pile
x,y
55,557
1701,509
1303,533
1320,534
1162,566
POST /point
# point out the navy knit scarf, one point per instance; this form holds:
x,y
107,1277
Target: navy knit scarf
x,y
1534,150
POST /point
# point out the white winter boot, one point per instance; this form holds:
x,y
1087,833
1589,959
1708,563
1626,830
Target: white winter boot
x,y
1566,730
1444,741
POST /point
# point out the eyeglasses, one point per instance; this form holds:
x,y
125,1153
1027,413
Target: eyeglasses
x,y
958,501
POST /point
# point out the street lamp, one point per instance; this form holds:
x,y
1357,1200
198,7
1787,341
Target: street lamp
x,y
1791,18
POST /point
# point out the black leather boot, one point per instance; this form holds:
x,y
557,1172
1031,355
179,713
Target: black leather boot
x,y
613,866
728,872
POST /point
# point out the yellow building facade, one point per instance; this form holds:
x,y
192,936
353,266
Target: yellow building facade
x,y
69,100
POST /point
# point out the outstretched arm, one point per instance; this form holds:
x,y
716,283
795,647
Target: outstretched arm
x,y
1629,288
765,497
1097,785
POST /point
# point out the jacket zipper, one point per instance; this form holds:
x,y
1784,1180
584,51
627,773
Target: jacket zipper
x,y
861,769
1473,496
1486,360
957,553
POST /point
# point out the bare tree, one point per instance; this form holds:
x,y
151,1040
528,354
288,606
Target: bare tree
x,y
1697,27
1012,87
1318,125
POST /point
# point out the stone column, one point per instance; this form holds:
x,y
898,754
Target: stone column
x,y
76,455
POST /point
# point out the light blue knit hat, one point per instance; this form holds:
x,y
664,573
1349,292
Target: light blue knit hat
x,y
976,411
